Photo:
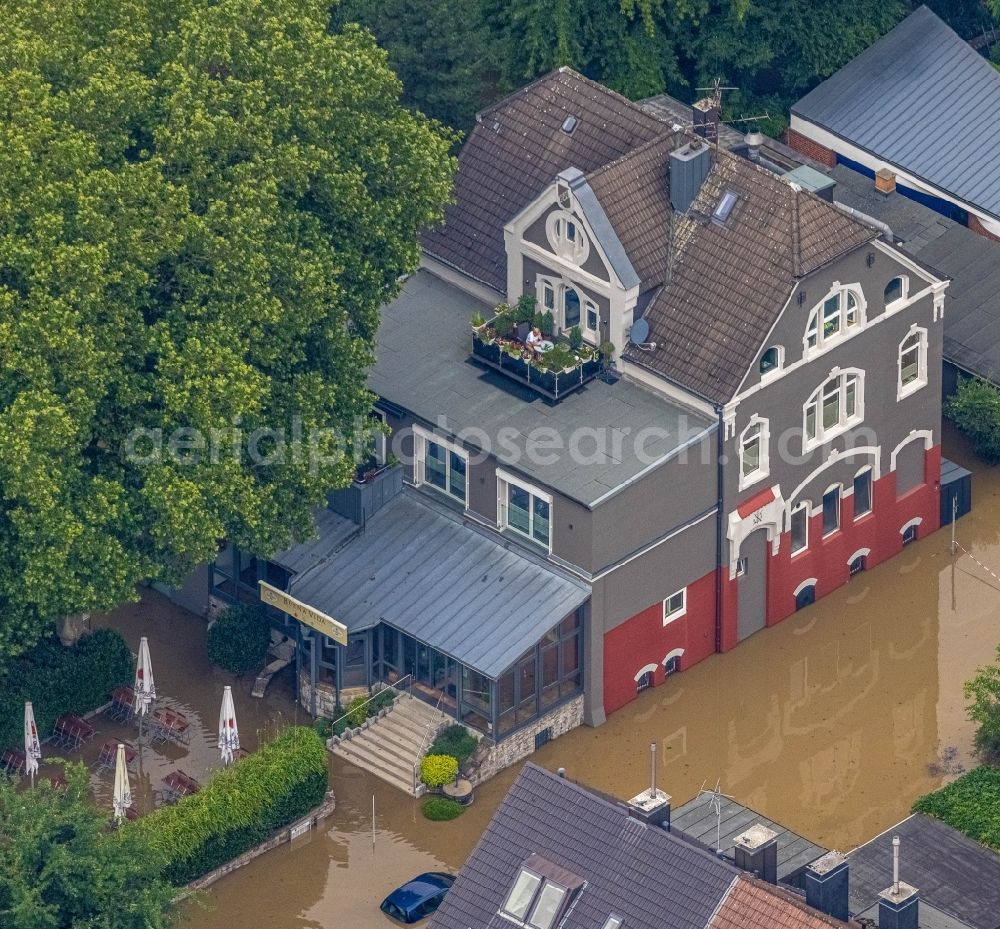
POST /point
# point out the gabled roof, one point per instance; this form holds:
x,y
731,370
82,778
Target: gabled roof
x,y
922,99
754,904
516,149
641,873
730,280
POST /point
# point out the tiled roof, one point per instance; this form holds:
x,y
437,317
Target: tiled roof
x,y
641,873
730,280
754,904
516,149
922,99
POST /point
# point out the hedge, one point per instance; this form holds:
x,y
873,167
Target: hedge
x,y
59,680
438,770
456,741
971,805
239,638
240,807
441,809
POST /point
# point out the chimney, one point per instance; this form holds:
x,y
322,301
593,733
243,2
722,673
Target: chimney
x,y
706,118
757,851
651,806
827,885
754,140
885,181
689,166
898,906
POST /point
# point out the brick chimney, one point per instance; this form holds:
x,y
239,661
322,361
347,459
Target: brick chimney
x,y
706,118
757,851
827,883
885,181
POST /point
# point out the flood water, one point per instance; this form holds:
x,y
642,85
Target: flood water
x,y
832,723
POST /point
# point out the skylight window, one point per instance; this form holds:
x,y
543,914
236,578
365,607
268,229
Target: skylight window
x,y
725,206
521,894
549,903
614,922
541,893
569,124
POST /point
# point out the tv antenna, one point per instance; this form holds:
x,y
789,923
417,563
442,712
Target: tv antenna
x,y
716,90
715,802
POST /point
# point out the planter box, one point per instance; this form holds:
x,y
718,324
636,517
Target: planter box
x,y
360,502
550,384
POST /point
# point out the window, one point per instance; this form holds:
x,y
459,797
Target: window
x,y
441,465
521,894
831,510
550,900
840,313
675,606
896,290
644,682
753,452
912,363
834,406
672,665
741,566
613,922
571,308
863,493
771,360
800,527
524,509
856,566
910,534
540,893
548,296
566,236
725,206
592,317
805,596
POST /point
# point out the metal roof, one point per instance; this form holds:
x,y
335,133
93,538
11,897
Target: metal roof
x,y
921,99
332,530
953,874
972,300
641,873
696,819
424,344
425,570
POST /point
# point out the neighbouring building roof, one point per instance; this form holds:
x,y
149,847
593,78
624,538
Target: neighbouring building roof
x,y
332,530
516,149
922,99
730,280
697,819
955,876
427,571
755,904
640,873
424,343
972,303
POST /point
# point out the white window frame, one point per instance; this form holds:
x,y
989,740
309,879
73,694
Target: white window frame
x,y
421,437
504,479
552,284
763,459
677,612
815,327
567,237
904,390
844,421
767,375
902,300
871,492
840,507
805,507
591,335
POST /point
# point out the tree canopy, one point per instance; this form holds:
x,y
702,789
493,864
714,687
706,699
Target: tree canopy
x,y
60,867
202,207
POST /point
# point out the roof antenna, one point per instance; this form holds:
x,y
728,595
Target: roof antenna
x,y
715,802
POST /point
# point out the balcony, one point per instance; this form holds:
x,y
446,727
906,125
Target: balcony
x,y
562,366
372,488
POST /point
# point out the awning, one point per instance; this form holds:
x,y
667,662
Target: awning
x,y
423,569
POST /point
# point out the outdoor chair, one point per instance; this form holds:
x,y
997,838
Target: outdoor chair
x,y
168,726
109,753
71,732
12,761
176,785
122,707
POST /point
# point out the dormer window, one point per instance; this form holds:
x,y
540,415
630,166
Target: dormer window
x,y
840,314
540,894
566,236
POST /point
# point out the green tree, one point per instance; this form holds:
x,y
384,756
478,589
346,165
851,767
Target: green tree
x,y
984,710
975,409
203,204
61,868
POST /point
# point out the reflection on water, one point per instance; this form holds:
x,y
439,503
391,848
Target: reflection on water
x,y
831,723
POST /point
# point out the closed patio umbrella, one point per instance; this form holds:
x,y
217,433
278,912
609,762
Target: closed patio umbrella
x,y
145,689
122,797
32,748
229,734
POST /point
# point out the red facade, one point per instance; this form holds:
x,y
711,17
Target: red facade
x,y
643,640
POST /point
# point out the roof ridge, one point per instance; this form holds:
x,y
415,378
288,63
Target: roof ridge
x,y
638,150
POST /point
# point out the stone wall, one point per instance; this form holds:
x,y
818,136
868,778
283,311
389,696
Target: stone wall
x,y
326,696
522,743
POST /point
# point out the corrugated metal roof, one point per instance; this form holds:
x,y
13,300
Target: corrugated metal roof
x,y
435,576
922,99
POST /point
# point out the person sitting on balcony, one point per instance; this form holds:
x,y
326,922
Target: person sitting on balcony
x,y
534,341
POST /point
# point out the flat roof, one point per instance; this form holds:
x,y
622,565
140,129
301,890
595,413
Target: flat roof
x,y
424,365
426,570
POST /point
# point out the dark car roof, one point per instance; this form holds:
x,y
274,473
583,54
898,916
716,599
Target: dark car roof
x,y
421,887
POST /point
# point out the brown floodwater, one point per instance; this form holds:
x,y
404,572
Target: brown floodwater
x,y
832,723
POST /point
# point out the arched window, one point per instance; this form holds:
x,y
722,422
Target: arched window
x,y
571,308
805,596
912,363
857,566
896,291
771,360
754,464
836,405
840,314
644,681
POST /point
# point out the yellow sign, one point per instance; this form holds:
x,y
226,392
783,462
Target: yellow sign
x,y
303,612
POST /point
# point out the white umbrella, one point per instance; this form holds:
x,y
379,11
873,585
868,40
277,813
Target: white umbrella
x,y
145,689
32,748
122,797
229,733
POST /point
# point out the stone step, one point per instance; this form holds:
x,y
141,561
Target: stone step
x,y
368,757
402,739
404,725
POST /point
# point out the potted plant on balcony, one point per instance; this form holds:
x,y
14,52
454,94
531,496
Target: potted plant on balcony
x,y
478,321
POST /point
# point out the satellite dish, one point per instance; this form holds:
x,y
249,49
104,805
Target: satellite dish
x,y
639,332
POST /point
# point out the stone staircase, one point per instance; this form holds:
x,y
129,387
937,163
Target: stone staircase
x,y
392,744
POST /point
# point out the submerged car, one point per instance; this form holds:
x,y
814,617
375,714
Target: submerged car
x,y
419,898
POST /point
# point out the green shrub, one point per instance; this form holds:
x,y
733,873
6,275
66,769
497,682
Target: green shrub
x,y
478,320
537,321
357,711
575,338
240,807
456,741
381,700
984,710
606,350
61,680
548,323
524,309
975,409
441,809
438,770
971,805
323,727
239,638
